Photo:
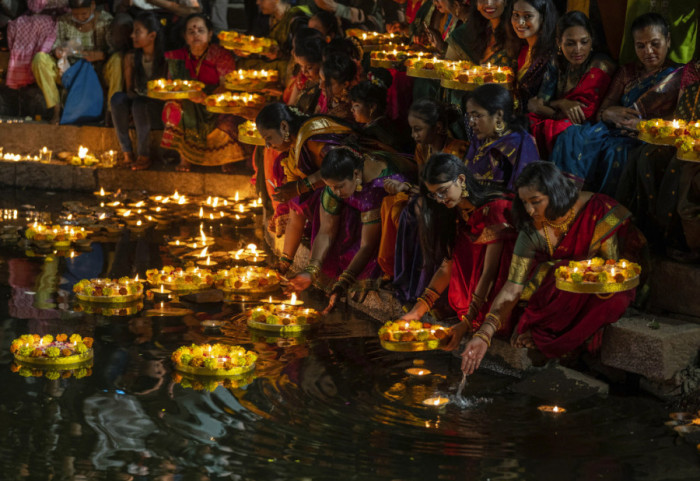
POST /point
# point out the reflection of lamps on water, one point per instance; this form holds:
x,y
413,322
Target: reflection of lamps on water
x,y
436,402
417,371
552,409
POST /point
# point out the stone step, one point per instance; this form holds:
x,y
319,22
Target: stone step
x,y
637,345
675,287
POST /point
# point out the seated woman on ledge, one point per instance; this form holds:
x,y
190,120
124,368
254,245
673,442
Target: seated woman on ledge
x,y
199,136
347,227
467,227
557,224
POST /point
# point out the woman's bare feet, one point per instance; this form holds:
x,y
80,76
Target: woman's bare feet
x,y
142,163
183,166
128,158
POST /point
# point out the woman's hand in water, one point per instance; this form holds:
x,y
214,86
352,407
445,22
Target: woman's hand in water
x,y
473,354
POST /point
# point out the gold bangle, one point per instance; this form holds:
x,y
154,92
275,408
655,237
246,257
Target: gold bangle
x,y
313,270
420,299
483,337
496,320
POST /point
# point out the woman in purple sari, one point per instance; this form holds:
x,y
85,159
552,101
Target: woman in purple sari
x,y
347,227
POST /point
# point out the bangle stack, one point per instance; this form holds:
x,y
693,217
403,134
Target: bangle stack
x,y
286,260
298,186
429,297
345,280
308,184
313,269
483,337
494,321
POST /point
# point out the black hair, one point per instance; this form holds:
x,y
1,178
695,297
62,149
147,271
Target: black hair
x,y
310,48
479,31
303,33
547,179
432,112
330,22
272,115
545,44
340,163
343,46
494,97
650,19
340,68
79,3
204,17
160,67
373,92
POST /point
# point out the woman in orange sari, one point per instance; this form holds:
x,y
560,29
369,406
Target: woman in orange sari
x,y
574,83
557,224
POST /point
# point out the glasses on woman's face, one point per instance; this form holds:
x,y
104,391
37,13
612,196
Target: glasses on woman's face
x,y
441,193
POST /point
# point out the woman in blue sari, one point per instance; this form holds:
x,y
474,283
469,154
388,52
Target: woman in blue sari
x,y
595,155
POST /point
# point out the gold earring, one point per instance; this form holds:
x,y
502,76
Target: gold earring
x,y
358,185
500,127
286,136
465,192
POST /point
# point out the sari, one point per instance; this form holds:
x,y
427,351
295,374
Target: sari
x,y
588,86
392,210
315,138
200,137
595,155
499,162
460,46
488,224
528,78
561,321
361,208
659,188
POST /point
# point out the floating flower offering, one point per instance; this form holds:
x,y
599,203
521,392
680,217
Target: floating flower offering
x,y
64,350
666,132
248,133
119,290
282,317
247,280
214,360
598,276
246,43
56,235
179,279
173,89
552,409
412,336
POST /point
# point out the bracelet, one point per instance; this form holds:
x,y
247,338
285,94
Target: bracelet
x,y
489,323
308,184
298,187
494,319
483,337
313,270
430,295
286,259
423,301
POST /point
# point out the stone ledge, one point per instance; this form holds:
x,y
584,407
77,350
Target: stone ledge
x,y
675,287
560,385
657,354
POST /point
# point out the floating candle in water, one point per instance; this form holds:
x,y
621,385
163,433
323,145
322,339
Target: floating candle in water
x,y
417,372
437,402
551,409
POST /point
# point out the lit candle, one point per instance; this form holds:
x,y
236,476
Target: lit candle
x,y
417,372
552,409
437,401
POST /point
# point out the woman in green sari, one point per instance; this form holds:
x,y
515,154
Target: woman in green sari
x,y
482,38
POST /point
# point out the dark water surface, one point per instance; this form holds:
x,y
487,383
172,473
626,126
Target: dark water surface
x,y
331,405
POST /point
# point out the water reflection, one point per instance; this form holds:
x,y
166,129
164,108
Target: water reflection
x,y
326,404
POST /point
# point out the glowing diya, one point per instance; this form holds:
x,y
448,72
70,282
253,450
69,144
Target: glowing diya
x,y
598,276
551,409
122,290
435,402
214,360
411,336
50,350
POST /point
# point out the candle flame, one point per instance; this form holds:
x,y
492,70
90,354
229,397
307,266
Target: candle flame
x,y
204,253
293,299
182,200
82,152
102,191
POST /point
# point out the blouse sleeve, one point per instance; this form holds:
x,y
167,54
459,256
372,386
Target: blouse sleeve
x,y
615,92
548,89
523,258
330,202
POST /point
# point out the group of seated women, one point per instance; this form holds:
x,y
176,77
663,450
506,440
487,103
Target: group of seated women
x,y
492,197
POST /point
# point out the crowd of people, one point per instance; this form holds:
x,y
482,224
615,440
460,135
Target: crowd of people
x,y
462,203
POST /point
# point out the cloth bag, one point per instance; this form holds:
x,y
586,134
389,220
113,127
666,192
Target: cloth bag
x,y
85,99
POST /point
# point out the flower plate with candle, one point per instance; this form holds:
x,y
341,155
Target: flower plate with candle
x,y
60,237
109,310
688,148
113,291
598,276
248,133
247,44
470,79
166,89
282,318
392,58
249,80
247,281
179,279
662,132
374,40
422,67
47,350
83,157
250,254
242,104
214,360
411,336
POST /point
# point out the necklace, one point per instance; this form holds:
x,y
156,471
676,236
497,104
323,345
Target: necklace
x,y
563,226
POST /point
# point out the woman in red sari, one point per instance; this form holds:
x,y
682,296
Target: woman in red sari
x,y
468,227
557,224
574,84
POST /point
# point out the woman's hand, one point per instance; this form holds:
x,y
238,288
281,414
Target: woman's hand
x,y
472,355
436,40
299,283
418,311
332,301
457,332
285,192
273,53
572,110
198,97
621,117
534,105
393,186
